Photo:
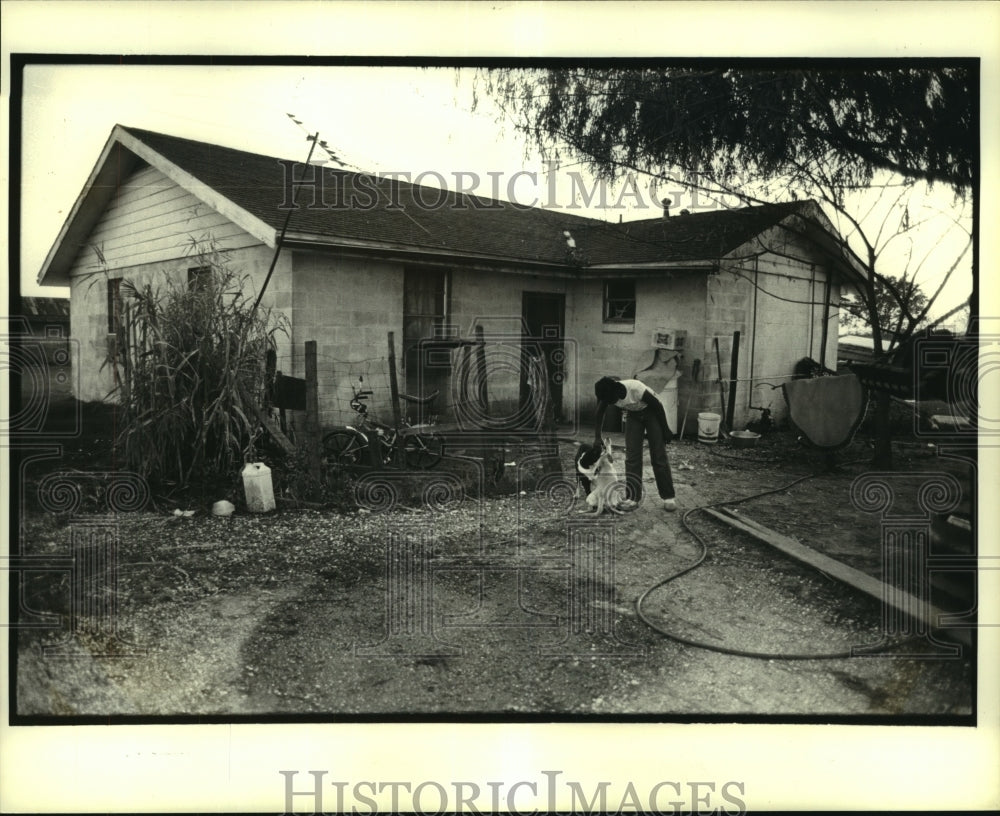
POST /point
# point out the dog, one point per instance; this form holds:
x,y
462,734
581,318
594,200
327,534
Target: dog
x,y
598,477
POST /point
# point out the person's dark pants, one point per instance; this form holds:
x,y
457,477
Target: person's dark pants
x,y
639,424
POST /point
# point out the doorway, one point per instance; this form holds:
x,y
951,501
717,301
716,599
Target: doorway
x,y
543,320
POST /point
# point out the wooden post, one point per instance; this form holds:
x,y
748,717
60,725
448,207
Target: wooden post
x,y
393,383
548,419
718,379
734,365
270,372
274,430
312,440
826,321
482,394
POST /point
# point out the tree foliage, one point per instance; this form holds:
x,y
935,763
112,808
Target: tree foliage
x,y
821,132
732,124
894,308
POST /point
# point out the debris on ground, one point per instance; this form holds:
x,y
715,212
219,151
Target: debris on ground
x,y
223,508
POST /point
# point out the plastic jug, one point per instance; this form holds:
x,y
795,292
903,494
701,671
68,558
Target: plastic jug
x,y
257,486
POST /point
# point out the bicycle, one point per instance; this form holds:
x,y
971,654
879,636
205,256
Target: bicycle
x,y
349,445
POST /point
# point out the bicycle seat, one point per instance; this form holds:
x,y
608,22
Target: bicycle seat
x,y
363,395
420,400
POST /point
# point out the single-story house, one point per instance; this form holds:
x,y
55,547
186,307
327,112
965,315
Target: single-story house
x,y
364,256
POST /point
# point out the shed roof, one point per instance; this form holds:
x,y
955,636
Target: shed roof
x,y
45,308
356,209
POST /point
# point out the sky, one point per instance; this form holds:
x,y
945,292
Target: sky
x,y
376,118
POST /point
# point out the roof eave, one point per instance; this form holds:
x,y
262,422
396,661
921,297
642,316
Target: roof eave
x,y
84,213
653,266
259,229
105,178
845,262
315,241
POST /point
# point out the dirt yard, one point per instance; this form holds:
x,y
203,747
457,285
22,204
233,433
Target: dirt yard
x,y
511,605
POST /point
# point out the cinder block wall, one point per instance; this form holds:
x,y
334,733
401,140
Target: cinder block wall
x,y
348,306
673,300
784,323
494,300
728,307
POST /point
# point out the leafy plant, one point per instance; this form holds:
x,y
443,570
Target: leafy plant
x,y
189,358
294,485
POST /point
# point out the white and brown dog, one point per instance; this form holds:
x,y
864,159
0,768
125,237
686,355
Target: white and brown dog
x,y
599,478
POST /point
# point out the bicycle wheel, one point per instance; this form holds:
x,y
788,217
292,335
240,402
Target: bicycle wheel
x,y
423,450
342,448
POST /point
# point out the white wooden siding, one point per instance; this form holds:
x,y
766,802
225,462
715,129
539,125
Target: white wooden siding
x,y
152,219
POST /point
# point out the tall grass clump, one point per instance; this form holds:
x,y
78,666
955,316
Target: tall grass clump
x,y
190,368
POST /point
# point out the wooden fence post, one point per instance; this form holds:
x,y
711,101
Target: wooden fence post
x,y
734,373
393,383
312,434
546,420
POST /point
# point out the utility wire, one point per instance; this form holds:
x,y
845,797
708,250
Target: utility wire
x,y
361,171
284,228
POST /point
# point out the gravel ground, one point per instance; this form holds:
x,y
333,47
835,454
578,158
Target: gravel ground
x,y
507,606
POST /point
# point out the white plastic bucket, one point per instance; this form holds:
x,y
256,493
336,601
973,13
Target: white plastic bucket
x,y
708,428
257,486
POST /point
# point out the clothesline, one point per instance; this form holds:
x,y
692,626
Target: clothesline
x,y
749,379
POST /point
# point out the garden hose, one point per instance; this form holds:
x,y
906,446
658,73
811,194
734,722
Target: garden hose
x,y
840,655
701,558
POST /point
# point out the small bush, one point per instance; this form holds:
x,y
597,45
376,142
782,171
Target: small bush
x,y
295,486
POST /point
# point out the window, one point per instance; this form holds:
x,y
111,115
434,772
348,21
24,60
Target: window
x,y
425,298
114,305
198,278
619,301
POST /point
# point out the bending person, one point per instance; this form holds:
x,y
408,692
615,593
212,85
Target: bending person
x,y
644,417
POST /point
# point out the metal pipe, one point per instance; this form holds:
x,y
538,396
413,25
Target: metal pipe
x,y
694,384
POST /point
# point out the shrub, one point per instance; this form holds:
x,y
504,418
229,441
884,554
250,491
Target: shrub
x,y
190,369
295,486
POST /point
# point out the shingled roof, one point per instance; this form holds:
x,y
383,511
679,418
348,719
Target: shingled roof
x,y
381,213
431,218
